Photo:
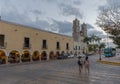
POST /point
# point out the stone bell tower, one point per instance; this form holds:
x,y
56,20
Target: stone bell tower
x,y
76,30
84,29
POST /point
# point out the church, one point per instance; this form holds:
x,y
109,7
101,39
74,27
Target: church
x,y
79,33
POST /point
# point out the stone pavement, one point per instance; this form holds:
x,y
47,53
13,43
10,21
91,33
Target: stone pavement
x,y
115,60
59,72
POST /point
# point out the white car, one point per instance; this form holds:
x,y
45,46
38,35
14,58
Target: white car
x,y
81,55
71,56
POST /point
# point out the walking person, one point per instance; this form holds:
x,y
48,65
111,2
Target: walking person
x,y
86,63
80,64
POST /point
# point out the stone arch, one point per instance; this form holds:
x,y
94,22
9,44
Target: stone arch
x,y
14,56
75,53
71,52
62,52
51,55
67,53
44,55
35,56
25,56
2,57
57,54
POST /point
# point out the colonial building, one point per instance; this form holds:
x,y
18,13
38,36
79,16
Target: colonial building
x,y
19,43
79,33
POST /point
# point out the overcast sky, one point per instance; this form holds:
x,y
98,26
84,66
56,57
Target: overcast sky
x,y
54,15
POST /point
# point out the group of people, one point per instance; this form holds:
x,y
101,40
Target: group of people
x,y
84,63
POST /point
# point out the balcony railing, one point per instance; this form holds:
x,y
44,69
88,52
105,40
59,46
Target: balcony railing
x,y
26,46
67,48
57,48
3,46
44,47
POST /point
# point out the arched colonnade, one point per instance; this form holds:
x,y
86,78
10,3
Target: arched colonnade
x,y
15,56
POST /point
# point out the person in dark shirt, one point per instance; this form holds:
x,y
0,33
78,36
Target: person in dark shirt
x,y
80,64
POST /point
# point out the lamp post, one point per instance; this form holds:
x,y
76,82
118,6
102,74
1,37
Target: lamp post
x,y
100,52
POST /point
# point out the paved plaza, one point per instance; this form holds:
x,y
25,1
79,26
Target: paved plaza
x,y
59,72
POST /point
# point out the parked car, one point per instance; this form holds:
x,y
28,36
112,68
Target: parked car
x,y
71,56
81,55
63,56
60,57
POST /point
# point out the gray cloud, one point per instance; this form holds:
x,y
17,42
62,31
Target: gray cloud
x,y
12,13
15,16
110,3
64,27
57,26
51,0
89,26
95,32
41,24
69,10
77,2
113,2
37,12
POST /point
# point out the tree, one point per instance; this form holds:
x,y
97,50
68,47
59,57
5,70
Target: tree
x,y
93,38
87,40
97,39
102,45
109,20
91,42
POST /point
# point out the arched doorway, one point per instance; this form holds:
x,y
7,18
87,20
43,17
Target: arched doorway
x,y
67,53
44,55
75,53
2,57
62,52
14,57
57,54
52,56
25,56
71,52
35,56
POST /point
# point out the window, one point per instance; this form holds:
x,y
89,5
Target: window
x,y
79,47
44,44
76,48
67,46
58,45
2,38
26,42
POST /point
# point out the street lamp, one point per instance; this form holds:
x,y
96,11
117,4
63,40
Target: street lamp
x,y
100,54
99,51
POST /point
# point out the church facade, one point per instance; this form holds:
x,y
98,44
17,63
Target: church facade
x,y
79,33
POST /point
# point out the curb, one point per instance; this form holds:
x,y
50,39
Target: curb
x,y
109,62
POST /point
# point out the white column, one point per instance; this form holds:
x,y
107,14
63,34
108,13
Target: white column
x,y
31,58
7,54
20,59
40,56
6,59
48,56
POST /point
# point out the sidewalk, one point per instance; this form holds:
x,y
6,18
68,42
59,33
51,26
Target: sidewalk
x,y
111,60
